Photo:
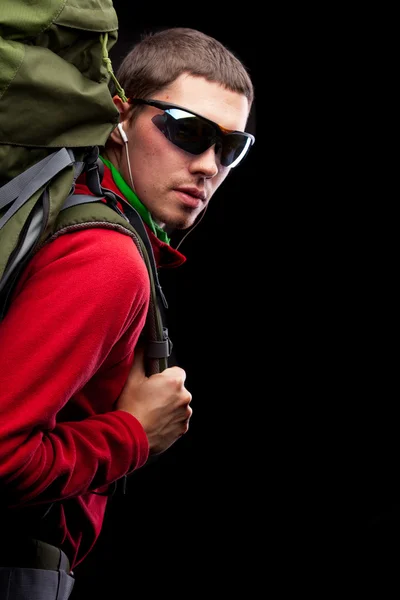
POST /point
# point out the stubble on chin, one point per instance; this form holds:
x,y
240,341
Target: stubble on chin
x,y
179,219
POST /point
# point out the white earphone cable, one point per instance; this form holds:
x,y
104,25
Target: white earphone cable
x,y
190,230
129,166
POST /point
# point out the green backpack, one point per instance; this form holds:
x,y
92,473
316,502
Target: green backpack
x,y
56,111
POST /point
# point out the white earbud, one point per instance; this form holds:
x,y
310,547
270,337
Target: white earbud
x,y
122,132
125,139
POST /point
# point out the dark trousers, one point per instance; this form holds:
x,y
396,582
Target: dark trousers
x,y
33,570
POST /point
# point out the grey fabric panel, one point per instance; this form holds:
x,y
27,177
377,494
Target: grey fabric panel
x,y
76,199
34,584
30,238
15,186
58,162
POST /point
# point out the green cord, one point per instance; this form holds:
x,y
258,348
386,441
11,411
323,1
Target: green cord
x,y
107,60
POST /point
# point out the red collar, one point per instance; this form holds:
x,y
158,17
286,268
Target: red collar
x,y
165,256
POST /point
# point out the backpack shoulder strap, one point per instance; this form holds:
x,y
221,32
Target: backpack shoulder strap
x,y
90,211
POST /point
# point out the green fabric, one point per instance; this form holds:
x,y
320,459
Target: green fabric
x,y
130,195
53,78
54,92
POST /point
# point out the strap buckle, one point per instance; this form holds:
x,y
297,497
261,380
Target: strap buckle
x,y
160,349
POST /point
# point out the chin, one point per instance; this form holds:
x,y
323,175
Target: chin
x,y
181,222
181,225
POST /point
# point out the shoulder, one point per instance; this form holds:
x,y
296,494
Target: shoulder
x,y
101,257
93,242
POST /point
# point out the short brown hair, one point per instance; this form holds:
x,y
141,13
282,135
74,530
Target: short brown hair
x,y
160,58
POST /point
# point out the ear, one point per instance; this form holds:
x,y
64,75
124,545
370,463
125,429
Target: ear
x,y
124,109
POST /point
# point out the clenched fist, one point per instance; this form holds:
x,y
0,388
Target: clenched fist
x,y
159,402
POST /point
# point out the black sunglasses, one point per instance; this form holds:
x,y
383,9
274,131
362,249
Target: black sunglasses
x,y
195,134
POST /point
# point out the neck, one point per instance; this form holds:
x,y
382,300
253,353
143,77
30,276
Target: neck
x,y
113,156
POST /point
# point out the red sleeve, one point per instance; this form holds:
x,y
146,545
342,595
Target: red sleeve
x,y
81,304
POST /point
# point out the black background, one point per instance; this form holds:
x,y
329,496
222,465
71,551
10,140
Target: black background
x,y
283,320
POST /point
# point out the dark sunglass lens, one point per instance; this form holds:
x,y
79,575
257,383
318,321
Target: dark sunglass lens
x,y
234,149
192,134
185,131
195,135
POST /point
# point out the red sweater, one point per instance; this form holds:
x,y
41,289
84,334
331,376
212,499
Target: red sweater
x,y
66,347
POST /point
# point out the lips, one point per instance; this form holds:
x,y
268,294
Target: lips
x,y
190,191
192,198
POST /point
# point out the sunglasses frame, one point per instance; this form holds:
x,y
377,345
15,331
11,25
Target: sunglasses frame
x,y
221,131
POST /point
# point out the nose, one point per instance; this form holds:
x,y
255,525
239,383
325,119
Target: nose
x,y
205,163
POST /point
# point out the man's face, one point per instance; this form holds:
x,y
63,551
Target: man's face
x,y
173,184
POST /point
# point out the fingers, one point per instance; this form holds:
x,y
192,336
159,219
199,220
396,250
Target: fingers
x,y
187,412
184,423
177,372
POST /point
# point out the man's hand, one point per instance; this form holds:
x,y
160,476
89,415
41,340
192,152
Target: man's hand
x,y
160,402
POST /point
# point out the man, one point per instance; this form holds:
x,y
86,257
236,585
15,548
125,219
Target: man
x,y
77,412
